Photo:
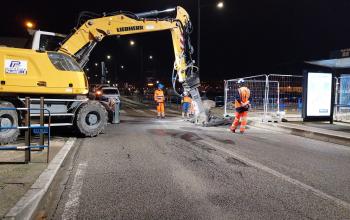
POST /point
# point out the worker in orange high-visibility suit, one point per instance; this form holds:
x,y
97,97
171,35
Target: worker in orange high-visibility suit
x,y
159,98
242,106
186,105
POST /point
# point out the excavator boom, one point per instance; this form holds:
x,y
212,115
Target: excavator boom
x,y
85,37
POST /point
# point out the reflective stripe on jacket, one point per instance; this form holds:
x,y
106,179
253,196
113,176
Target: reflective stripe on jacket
x,y
159,95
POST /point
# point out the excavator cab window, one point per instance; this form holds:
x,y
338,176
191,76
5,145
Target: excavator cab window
x,y
63,62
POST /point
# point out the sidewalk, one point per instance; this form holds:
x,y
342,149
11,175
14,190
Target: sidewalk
x,y
338,133
17,179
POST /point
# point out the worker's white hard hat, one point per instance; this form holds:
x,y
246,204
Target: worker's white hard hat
x,y
240,81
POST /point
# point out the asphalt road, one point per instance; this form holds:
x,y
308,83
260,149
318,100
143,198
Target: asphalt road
x,y
147,168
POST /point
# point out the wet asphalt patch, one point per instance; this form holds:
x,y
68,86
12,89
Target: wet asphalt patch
x,y
186,136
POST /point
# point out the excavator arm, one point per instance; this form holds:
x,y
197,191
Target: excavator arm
x,y
85,37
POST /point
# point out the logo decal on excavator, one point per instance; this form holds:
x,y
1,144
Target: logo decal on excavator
x,y
130,28
16,67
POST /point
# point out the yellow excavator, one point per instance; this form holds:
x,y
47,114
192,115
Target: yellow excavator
x,y
58,76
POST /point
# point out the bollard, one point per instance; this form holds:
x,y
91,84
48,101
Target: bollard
x,y
116,113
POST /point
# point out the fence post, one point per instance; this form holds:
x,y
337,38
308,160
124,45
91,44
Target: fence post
x,y
278,97
336,98
27,133
225,98
266,99
42,120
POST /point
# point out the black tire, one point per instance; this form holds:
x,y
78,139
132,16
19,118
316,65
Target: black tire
x,y
8,118
91,119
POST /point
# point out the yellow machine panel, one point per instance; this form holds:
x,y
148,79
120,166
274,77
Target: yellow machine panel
x,y
30,72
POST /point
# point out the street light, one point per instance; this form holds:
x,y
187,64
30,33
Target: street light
x,y
150,57
132,43
220,5
109,57
29,24
96,64
122,67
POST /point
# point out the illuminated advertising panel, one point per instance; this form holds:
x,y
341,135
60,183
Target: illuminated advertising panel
x,y
319,94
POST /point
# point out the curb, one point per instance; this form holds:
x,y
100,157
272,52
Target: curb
x,y
312,134
26,206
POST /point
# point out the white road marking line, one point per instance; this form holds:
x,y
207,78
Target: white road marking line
x,y
295,182
153,110
122,111
72,204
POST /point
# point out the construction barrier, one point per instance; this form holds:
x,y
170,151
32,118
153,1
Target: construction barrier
x,y
272,96
257,85
285,95
275,96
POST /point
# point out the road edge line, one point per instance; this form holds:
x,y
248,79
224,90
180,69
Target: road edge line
x,y
29,202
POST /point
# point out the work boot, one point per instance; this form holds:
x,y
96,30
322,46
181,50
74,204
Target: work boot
x,y
233,130
242,132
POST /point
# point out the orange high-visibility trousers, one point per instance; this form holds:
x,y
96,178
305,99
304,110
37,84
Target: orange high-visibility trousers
x,y
160,107
240,116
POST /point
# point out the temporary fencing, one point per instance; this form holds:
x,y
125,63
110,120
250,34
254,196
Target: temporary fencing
x,y
257,86
271,95
275,96
285,95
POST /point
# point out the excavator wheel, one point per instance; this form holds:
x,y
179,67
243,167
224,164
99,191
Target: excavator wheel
x,y
91,119
8,118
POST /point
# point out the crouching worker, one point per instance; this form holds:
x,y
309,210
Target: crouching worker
x,y
242,106
159,98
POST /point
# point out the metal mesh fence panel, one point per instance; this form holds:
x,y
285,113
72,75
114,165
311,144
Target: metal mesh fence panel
x,y
257,86
287,97
342,102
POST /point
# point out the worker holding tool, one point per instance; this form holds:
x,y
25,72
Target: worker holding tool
x,y
242,106
159,98
186,105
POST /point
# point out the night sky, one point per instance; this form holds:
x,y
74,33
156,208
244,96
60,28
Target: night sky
x,y
245,38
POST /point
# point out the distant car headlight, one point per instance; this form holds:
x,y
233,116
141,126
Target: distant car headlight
x,y
98,93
